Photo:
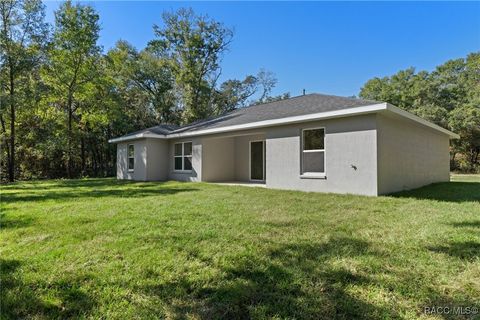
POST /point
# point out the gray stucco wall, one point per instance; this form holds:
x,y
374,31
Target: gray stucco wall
x,y
218,159
140,171
349,142
224,157
157,159
410,155
151,162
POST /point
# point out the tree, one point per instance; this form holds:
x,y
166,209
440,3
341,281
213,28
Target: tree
x,y
68,98
133,106
267,81
465,121
22,36
448,96
72,66
282,96
194,46
465,115
234,94
151,74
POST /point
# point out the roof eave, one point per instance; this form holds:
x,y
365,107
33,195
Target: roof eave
x,y
138,136
415,118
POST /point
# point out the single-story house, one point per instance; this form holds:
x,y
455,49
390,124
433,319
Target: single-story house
x,y
312,142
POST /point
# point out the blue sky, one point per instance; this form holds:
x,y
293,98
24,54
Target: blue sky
x,y
326,47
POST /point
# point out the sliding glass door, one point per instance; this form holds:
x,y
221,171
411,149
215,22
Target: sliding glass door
x,y
257,160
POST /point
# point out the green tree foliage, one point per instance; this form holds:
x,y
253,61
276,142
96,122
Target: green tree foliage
x,y
134,111
234,94
277,98
71,71
23,32
194,46
448,96
151,76
62,98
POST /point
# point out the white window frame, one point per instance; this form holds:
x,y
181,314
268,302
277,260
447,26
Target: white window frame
x,y
250,159
182,156
130,157
313,175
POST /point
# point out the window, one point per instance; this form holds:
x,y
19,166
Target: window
x,y
313,151
131,157
183,156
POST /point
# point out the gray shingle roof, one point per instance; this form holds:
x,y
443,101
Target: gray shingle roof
x,y
296,106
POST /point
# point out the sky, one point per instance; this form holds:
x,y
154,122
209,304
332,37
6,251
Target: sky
x,y
324,47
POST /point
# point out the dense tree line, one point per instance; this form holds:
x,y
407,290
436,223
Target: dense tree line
x,y
448,96
62,97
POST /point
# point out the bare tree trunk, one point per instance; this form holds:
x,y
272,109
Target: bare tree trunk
x,y
99,161
452,161
69,136
83,154
102,159
71,90
473,158
95,161
108,156
4,130
11,161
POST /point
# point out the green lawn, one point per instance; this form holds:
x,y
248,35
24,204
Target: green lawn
x,y
102,248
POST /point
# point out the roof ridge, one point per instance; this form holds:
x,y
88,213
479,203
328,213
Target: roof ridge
x,y
204,120
308,94
236,110
269,102
348,98
186,126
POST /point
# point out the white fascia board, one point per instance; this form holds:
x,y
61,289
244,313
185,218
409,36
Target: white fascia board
x,y
289,120
137,136
415,118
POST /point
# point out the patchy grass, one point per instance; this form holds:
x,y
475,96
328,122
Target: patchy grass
x,y
102,248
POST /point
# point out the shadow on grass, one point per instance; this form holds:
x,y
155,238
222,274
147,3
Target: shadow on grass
x,y
135,191
299,281
20,300
452,191
7,222
66,183
292,282
467,224
467,250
